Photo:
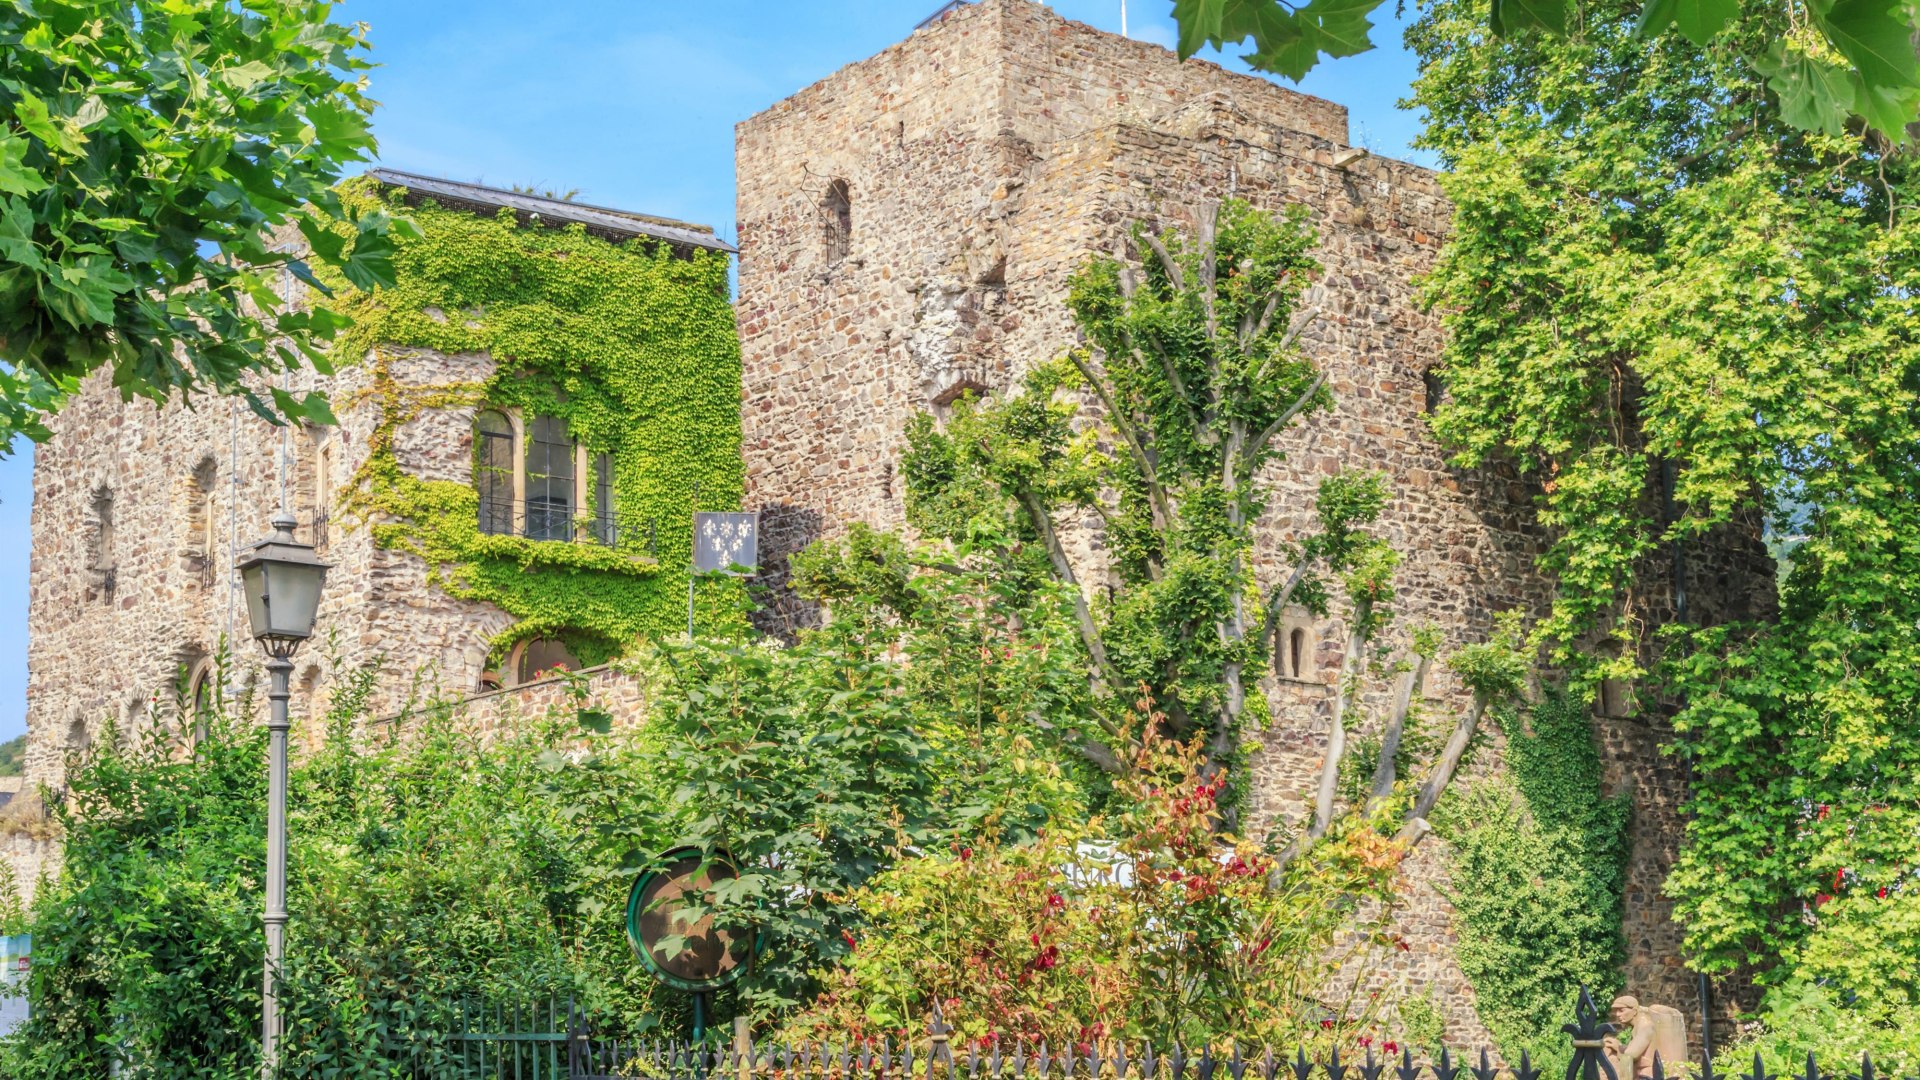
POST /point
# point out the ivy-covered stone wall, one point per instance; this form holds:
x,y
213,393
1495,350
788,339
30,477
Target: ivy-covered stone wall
x,y
631,344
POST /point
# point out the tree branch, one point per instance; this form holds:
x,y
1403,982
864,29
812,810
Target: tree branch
x,y
1285,418
1336,743
1278,601
1062,569
1442,773
1156,493
1383,772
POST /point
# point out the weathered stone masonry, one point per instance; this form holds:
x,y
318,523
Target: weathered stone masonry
x,y
907,228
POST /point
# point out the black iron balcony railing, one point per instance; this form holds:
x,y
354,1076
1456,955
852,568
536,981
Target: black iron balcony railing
x,y
537,519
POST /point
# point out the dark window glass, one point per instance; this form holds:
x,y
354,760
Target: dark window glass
x,y
493,471
549,479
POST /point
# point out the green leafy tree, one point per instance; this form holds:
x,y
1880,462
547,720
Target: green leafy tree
x,y
1832,64
1655,289
1191,356
150,154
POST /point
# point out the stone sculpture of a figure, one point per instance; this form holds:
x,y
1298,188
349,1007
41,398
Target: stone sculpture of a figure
x,y
1650,1030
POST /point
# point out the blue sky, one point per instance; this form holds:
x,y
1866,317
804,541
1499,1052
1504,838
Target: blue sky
x,y
634,103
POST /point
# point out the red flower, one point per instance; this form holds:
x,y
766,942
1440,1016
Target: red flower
x,y
847,936
1326,1025
966,853
1390,1046
1824,810
1839,878
1882,894
1035,938
1366,1040
1820,898
1056,902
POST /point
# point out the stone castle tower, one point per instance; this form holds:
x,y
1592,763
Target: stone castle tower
x,y
907,228
139,514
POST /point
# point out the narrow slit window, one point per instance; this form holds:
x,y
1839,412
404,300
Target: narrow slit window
x,y
837,208
1297,653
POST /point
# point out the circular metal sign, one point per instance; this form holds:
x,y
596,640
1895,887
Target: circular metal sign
x,y
709,957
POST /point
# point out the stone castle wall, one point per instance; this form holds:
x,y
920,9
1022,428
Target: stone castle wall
x,y
985,158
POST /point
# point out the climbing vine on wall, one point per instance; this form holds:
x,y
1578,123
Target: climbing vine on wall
x,y
1538,871
633,347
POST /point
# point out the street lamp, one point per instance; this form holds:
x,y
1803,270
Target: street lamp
x,y
282,580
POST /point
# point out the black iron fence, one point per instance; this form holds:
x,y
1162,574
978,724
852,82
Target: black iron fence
x,y
551,519
555,1041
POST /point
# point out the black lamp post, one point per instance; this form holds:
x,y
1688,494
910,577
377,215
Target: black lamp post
x,y
282,580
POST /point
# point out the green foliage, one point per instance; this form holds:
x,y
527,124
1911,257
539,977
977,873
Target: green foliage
x,y
635,348
419,874
1139,927
147,153
11,753
1845,63
1802,1017
1193,358
1648,271
1538,870
920,713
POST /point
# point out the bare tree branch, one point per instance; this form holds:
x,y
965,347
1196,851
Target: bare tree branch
x,y
1442,773
1278,600
1063,569
1411,687
1156,493
1336,742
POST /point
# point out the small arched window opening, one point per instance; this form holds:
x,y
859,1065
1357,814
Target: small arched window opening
x,y
542,657
493,471
203,700
1436,388
837,209
1294,645
78,737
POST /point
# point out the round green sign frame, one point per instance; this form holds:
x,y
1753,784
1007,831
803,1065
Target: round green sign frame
x,y
678,982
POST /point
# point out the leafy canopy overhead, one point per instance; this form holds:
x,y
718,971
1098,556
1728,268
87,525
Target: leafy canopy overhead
x,y
1838,59
148,151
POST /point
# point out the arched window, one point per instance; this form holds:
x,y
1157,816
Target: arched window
x,y
542,656
1436,388
1294,645
837,209
78,737
203,699
493,465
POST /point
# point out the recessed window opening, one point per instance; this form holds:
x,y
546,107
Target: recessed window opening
x,y
542,657
1297,652
1436,388
837,208
549,479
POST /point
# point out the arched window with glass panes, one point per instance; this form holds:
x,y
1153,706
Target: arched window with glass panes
x,y
535,480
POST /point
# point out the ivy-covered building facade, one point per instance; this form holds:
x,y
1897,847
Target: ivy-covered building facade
x,y
525,422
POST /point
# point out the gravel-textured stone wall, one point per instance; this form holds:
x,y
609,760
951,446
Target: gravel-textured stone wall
x,y
985,157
